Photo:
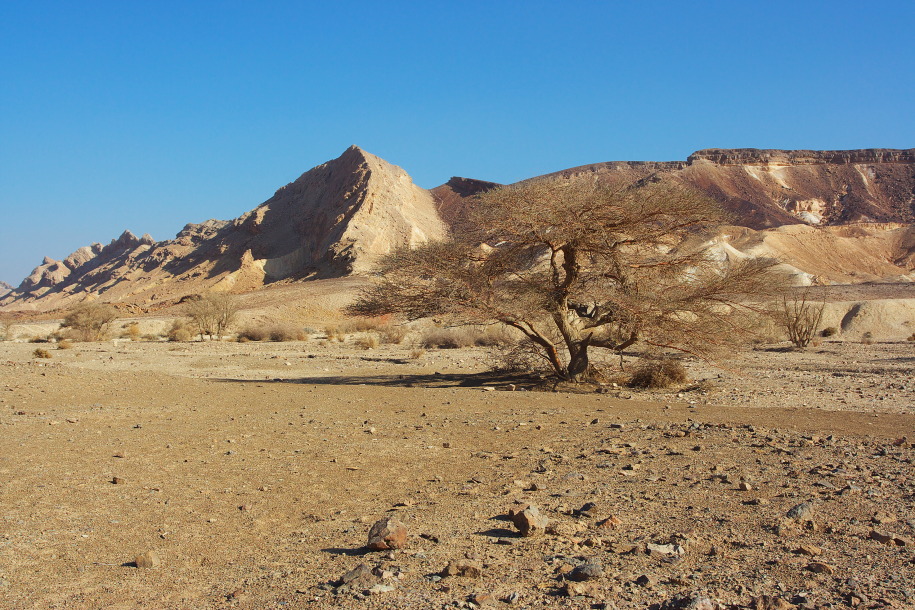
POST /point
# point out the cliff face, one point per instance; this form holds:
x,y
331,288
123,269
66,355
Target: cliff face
x,y
768,188
771,188
335,219
756,156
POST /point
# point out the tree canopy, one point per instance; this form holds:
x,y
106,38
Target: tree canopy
x,y
574,266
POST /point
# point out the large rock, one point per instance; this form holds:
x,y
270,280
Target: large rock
x,y
387,533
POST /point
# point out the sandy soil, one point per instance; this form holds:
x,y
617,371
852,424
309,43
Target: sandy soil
x,y
254,472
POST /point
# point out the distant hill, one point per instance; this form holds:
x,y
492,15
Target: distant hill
x,y
4,288
831,216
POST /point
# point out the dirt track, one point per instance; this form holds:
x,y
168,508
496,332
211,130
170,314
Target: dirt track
x,y
258,493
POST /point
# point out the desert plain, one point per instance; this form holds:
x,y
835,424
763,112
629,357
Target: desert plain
x,y
248,475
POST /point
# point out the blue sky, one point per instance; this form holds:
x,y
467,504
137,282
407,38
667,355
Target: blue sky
x,y
147,116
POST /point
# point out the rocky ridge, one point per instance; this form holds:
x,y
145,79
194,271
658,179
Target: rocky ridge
x,y
334,220
338,217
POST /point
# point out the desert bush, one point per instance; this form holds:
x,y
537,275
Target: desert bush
x,y
912,337
273,332
467,336
801,318
446,338
335,333
495,335
362,324
180,330
252,333
417,353
867,338
368,341
64,344
41,353
392,334
212,314
658,373
6,329
131,331
829,331
90,321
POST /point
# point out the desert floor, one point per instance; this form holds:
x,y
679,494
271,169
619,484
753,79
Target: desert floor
x,y
255,470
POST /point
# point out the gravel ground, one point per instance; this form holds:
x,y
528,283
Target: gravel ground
x,y
253,473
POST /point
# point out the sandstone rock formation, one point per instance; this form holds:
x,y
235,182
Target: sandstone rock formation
x,y
4,288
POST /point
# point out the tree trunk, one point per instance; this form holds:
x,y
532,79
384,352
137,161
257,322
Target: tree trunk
x,y
577,370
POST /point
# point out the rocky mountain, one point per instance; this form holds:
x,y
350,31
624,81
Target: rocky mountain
x,y
335,219
4,288
832,216
770,188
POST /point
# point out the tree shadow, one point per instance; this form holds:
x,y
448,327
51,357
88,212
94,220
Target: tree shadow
x,y
499,381
499,532
357,552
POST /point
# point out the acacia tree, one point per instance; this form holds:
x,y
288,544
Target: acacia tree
x,y
213,313
575,266
90,321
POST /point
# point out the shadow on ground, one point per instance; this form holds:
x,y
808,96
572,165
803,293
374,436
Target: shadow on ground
x,y
499,381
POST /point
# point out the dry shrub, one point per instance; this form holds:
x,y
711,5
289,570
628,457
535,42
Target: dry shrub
x,y
417,353
446,338
362,324
392,334
90,321
912,337
180,330
131,331
64,344
466,336
6,329
867,338
368,341
801,318
41,353
212,313
657,373
335,333
829,331
278,332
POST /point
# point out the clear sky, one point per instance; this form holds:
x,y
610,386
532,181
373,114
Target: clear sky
x,y
149,115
